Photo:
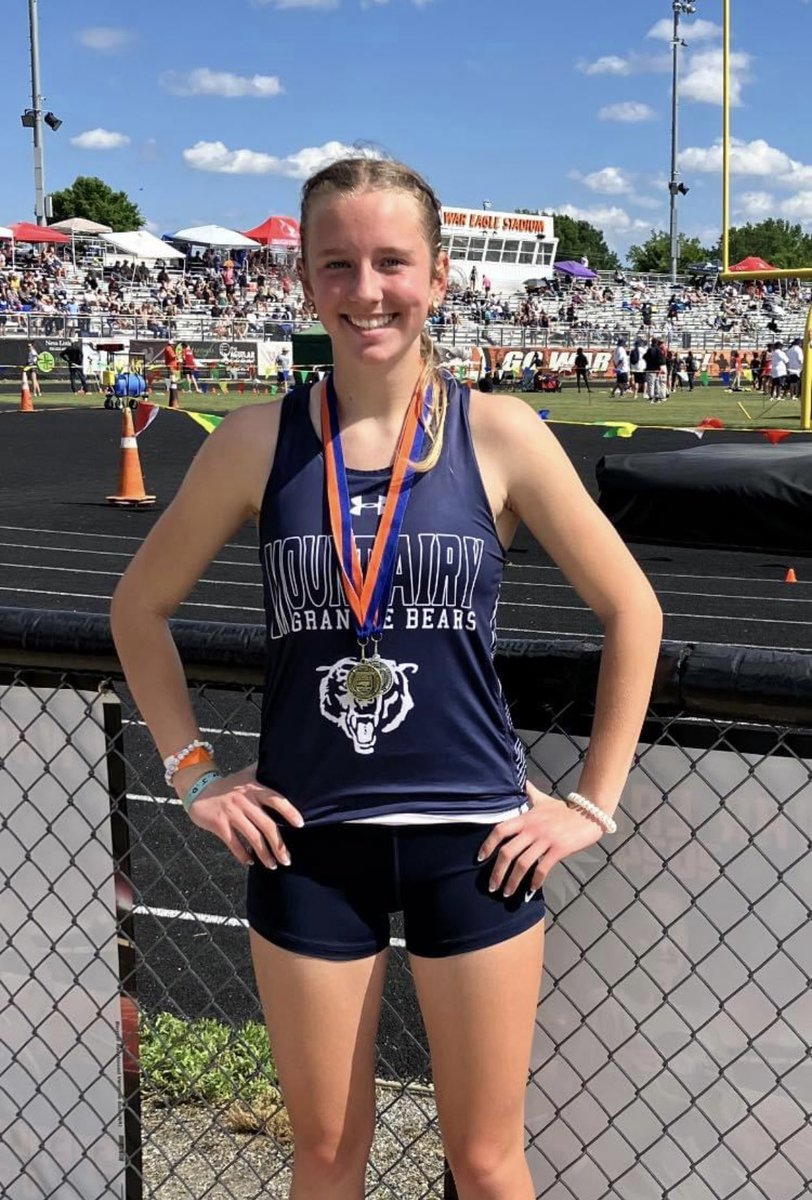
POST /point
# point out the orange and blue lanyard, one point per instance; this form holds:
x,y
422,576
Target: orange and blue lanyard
x,y
368,592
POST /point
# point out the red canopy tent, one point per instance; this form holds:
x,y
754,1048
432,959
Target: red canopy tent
x,y
25,231
276,231
752,263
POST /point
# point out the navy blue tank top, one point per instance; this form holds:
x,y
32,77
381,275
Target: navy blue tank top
x,y
440,740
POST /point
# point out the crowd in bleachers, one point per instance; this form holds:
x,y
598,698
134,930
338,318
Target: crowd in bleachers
x,y
218,296
600,310
252,295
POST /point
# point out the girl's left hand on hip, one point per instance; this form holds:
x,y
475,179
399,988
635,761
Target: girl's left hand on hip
x,y
536,841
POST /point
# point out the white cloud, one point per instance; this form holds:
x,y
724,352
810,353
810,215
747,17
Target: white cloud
x,y
702,80
215,156
628,111
202,81
610,181
756,205
693,31
798,207
756,158
612,218
607,64
646,202
100,139
105,39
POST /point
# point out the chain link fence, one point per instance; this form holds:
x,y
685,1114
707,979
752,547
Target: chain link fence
x,y
671,1058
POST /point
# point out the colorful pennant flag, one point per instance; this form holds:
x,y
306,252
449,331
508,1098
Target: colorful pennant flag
x,y
144,415
207,421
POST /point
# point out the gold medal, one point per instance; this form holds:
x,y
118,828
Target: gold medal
x,y
365,681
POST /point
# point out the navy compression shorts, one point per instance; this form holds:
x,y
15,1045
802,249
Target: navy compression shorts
x,y
344,881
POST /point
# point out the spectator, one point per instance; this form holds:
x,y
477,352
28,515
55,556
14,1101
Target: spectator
x,y
190,367
637,362
581,364
31,371
655,365
795,366
690,369
778,371
620,361
72,355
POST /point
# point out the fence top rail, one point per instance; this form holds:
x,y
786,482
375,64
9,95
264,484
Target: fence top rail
x,y
701,679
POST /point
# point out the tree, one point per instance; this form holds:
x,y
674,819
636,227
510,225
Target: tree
x,y
655,253
94,200
579,238
776,241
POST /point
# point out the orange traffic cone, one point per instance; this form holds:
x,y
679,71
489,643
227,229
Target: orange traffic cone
x,y
790,576
130,480
26,404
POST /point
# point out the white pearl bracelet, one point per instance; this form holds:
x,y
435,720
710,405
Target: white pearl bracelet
x,y
606,823
172,764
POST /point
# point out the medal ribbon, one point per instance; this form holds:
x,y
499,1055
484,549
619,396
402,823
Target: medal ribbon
x,y
368,593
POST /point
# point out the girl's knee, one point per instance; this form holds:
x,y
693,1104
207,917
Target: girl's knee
x,y
332,1153
487,1166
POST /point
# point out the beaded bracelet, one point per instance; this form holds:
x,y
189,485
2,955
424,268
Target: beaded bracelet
x,y
200,786
173,762
606,823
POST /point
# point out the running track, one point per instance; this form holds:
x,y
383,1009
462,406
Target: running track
x,y
62,547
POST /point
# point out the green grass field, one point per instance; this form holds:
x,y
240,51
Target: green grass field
x,y
680,409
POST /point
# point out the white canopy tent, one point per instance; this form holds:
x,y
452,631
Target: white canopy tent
x,y
80,226
5,232
140,244
214,235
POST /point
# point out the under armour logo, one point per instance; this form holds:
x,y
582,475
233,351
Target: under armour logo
x,y
357,505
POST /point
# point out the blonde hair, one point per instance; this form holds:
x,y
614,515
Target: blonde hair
x,y
360,174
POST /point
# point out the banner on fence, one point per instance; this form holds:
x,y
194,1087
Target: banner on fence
x,y
68,1104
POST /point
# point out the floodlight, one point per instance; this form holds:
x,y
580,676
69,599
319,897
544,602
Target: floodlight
x,y
28,118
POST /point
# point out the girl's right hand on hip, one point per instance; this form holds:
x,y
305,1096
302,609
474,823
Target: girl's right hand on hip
x,y
235,809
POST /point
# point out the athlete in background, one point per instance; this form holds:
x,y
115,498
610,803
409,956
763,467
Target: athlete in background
x,y
389,775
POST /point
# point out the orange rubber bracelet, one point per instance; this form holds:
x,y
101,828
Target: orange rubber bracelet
x,y
199,755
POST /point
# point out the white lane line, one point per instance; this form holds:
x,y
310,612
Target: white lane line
x,y
688,616
219,562
654,574
107,599
115,537
117,574
183,914
664,592
675,592
516,604
205,729
153,799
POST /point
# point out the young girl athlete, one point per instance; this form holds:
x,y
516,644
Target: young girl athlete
x,y
389,776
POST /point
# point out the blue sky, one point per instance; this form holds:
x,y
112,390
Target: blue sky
x,y
215,112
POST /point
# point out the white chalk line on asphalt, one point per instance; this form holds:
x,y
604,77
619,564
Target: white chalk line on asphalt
x,y
184,914
581,608
117,574
507,583
207,729
653,574
106,599
215,562
121,537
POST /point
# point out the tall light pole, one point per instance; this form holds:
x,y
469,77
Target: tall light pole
x,y
36,113
676,188
33,119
